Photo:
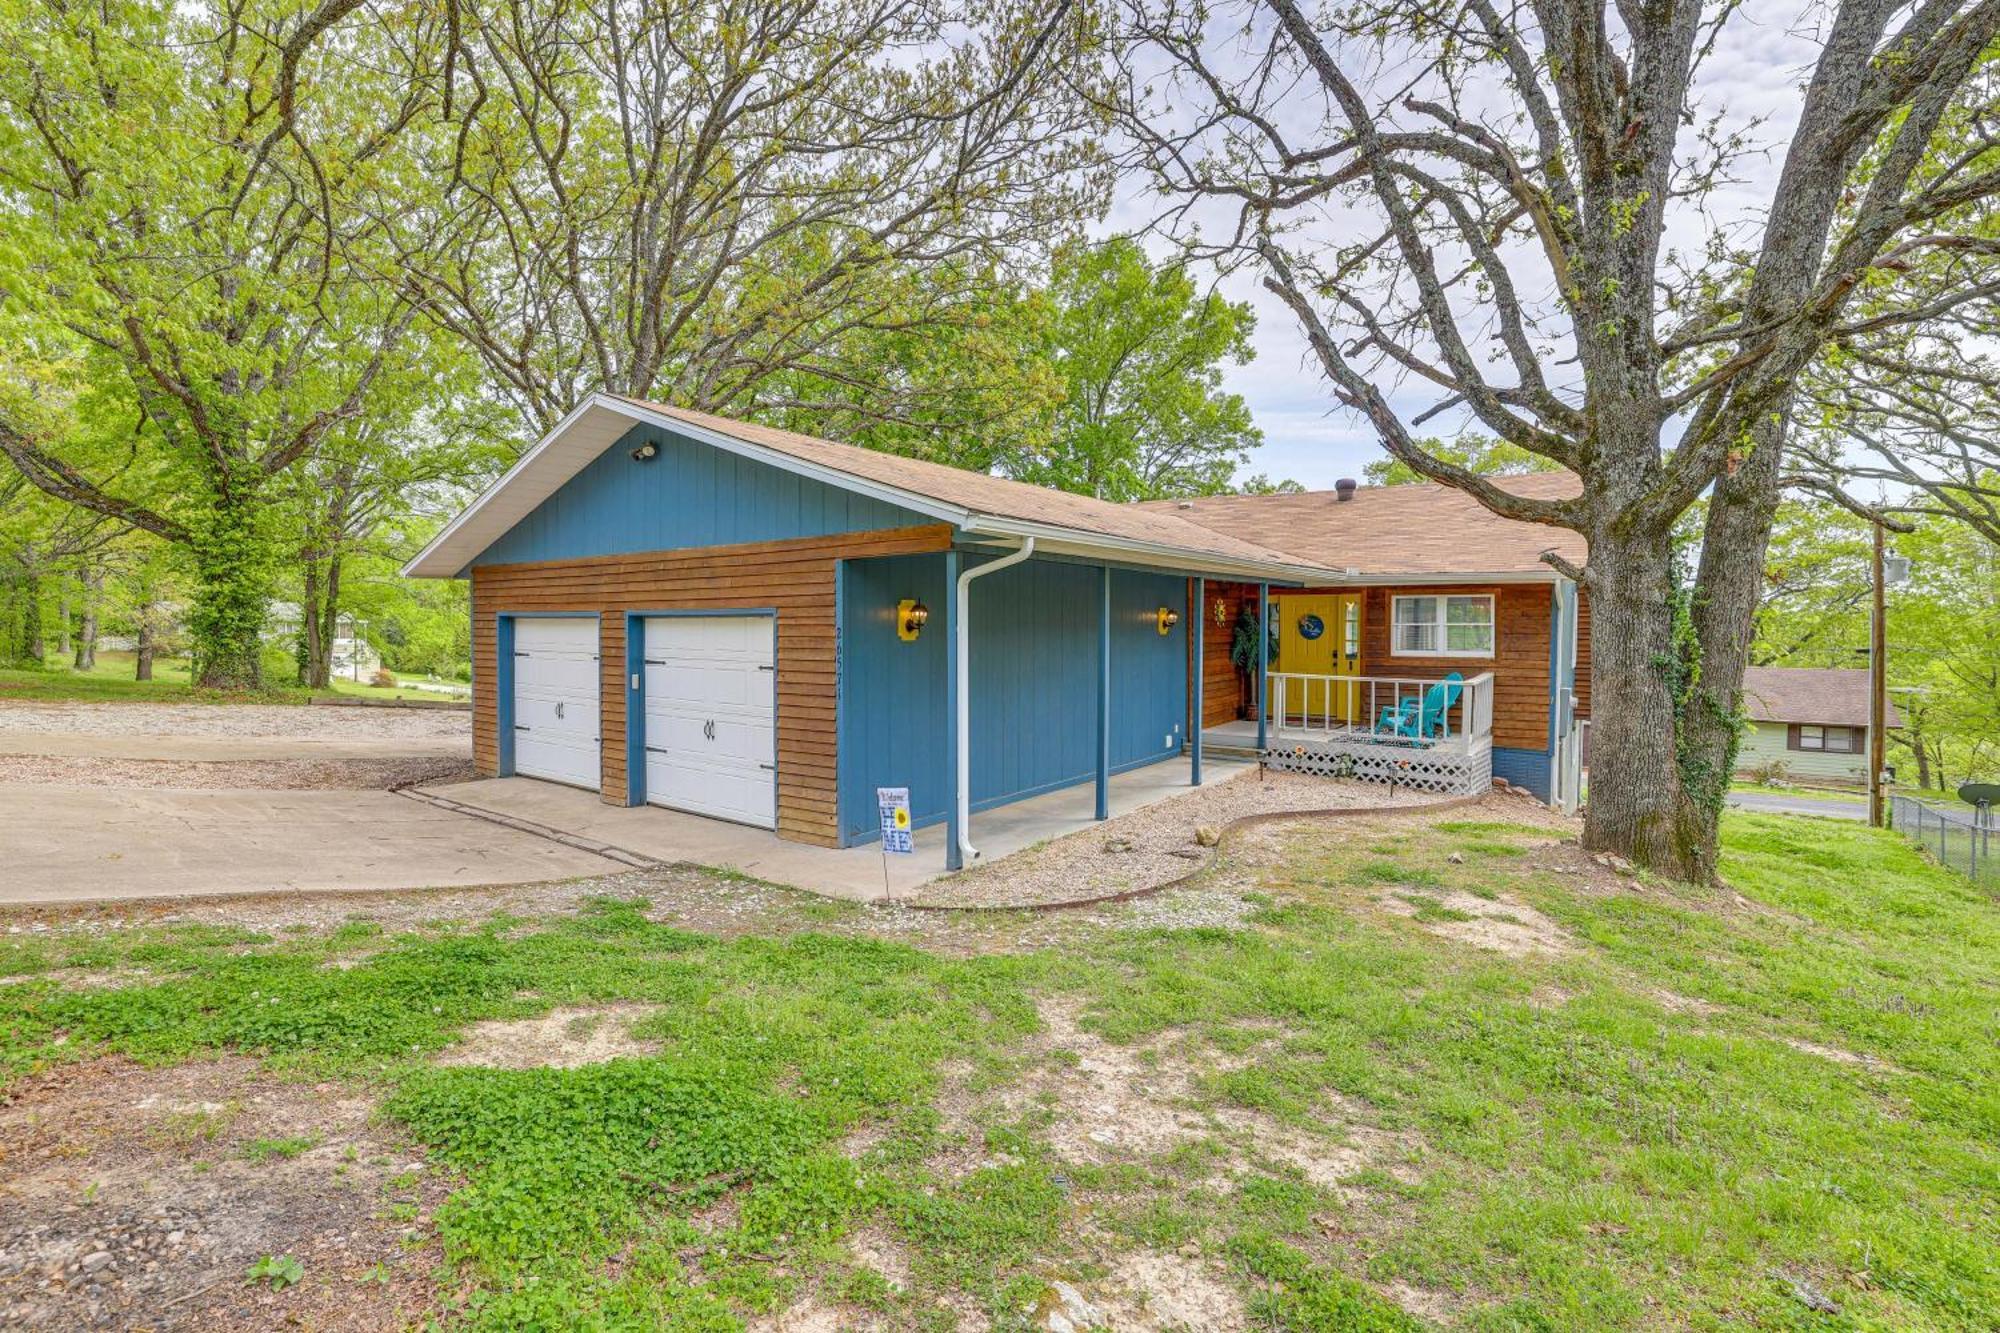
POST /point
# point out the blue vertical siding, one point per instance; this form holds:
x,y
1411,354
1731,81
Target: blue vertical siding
x,y
1033,674
1525,768
689,495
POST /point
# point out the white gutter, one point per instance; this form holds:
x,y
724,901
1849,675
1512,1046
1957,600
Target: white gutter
x,y
961,630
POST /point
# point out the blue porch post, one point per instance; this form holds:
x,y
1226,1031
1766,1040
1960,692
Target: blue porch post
x,y
1263,658
954,859
1104,698
1200,609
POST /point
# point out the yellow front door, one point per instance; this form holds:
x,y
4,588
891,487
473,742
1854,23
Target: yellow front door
x,y
1319,634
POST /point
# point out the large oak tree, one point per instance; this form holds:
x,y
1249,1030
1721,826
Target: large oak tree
x,y
1475,200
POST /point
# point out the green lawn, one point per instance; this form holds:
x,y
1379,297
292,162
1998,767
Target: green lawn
x,y
1813,793
1694,1109
110,681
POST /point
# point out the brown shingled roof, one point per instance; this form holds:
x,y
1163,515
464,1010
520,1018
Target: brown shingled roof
x,y
1828,696
1419,528
984,493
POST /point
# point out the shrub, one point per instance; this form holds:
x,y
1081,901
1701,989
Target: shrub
x,y
383,678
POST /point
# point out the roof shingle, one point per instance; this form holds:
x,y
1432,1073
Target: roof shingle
x,y
1419,528
1828,696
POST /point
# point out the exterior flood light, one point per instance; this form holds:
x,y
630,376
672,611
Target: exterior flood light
x,y
646,452
911,616
1168,618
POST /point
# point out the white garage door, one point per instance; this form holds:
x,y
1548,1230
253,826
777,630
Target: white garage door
x,y
555,699
711,716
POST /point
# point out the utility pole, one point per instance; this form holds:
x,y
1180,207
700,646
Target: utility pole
x,y
1878,712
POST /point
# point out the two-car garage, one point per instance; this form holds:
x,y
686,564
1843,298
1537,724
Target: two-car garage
x,y
704,711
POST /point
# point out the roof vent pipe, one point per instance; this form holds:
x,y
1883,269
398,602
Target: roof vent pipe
x,y
1343,489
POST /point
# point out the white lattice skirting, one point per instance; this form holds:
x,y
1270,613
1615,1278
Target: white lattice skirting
x,y
1444,769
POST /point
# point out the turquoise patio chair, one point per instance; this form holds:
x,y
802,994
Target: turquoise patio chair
x,y
1419,719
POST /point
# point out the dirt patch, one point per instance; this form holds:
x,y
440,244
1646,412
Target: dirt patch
x,y
1675,1003
1503,924
138,1197
1841,1057
1151,1292
1096,1102
235,774
559,1039
1152,846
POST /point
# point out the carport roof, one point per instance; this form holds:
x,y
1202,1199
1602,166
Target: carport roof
x,y
976,503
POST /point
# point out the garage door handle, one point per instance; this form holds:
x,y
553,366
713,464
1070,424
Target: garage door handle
x,y
769,768
518,726
767,668
656,749
656,661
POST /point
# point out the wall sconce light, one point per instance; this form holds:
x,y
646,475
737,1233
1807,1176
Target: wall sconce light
x,y
911,616
1168,618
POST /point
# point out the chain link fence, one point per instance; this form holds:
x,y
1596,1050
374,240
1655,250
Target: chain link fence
x,y
1962,840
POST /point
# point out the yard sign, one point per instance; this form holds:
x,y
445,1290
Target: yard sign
x,y
894,804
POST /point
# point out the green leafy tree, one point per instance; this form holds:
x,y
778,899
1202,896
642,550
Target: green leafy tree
x,y
1480,455
179,233
1141,352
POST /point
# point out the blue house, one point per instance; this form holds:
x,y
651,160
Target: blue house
x,y
753,625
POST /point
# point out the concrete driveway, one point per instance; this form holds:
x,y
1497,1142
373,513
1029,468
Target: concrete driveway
x,y
82,844
127,801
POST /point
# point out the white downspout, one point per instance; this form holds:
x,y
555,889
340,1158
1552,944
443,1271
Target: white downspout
x,y
961,629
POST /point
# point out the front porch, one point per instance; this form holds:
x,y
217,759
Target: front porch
x,y
1432,735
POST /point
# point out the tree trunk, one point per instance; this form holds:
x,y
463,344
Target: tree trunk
x,y
1727,590
64,643
312,631
330,616
32,631
1637,808
232,596
86,641
143,670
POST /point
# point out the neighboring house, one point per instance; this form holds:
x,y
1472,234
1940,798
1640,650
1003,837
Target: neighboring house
x,y
353,658
1807,722
749,624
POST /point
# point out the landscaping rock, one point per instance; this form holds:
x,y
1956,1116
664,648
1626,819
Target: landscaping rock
x,y
1120,845
1208,835
1064,1310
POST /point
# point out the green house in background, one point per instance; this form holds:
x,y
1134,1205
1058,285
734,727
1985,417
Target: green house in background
x,y
1807,724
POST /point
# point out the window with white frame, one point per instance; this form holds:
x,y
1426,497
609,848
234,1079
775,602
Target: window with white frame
x,y
1441,626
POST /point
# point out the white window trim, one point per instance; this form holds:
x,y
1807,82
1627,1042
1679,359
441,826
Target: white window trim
x,y
1492,620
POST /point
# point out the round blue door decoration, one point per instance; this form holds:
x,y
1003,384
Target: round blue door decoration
x,y
1311,627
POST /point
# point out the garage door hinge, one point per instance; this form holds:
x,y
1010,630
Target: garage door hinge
x,y
767,668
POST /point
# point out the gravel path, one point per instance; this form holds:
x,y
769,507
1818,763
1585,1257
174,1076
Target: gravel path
x,y
296,721
1152,846
267,775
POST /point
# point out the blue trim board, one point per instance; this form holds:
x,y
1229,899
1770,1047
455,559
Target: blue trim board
x,y
688,495
503,676
635,695
1198,607
844,762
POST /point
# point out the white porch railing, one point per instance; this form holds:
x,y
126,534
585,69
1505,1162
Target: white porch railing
x,y
1390,710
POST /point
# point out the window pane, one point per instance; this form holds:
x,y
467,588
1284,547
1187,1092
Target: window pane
x,y
1468,611
1416,610
1812,738
1469,638
1416,638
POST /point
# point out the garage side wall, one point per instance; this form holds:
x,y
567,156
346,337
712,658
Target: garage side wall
x,y
796,578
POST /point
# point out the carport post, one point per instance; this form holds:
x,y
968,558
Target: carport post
x,y
1263,659
1104,698
1194,684
954,857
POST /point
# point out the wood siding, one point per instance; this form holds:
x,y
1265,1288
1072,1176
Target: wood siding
x,y
1582,653
1520,661
1221,684
798,578
1520,664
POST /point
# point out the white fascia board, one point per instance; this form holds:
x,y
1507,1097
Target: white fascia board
x,y
1057,540
473,510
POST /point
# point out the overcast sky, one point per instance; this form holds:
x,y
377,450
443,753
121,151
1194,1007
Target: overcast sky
x,y
1758,70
